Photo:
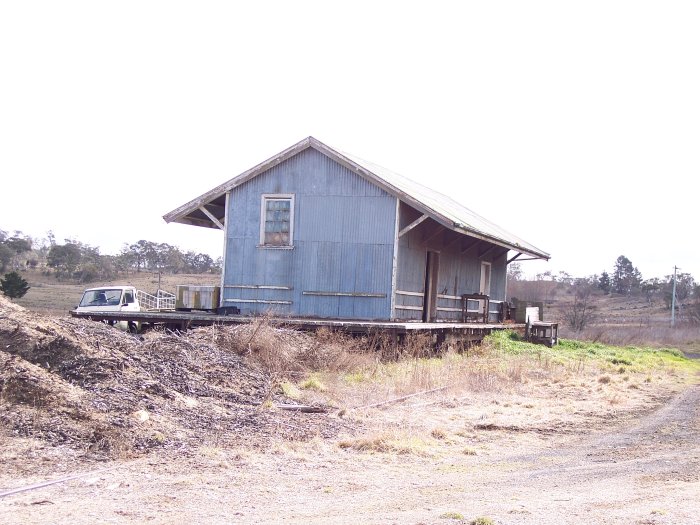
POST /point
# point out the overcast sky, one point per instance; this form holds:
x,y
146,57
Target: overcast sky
x,y
574,125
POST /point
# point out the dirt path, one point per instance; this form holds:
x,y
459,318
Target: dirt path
x,y
642,471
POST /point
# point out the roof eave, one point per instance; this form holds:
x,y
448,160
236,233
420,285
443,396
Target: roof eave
x,y
178,214
500,242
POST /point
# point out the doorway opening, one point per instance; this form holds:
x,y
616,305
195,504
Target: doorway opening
x,y
432,267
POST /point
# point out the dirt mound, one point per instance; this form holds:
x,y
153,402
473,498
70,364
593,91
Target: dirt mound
x,y
90,386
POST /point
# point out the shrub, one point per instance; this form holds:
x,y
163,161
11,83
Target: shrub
x,y
13,285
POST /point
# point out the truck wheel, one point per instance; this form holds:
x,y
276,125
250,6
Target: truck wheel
x,y
132,328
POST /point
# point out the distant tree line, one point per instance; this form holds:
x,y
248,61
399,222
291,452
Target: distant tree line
x,y
624,279
152,256
627,280
76,260
12,248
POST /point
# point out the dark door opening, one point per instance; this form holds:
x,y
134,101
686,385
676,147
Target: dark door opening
x,y
432,266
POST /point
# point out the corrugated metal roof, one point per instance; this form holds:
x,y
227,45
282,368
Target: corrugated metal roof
x,y
462,218
432,203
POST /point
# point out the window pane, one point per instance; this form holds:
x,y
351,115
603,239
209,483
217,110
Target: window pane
x,y
277,222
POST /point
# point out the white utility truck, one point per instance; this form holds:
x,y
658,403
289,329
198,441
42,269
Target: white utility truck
x,y
124,299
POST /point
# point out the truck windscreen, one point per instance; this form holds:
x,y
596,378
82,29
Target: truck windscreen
x,y
101,297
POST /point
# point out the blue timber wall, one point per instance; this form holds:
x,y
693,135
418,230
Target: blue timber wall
x,y
459,273
343,242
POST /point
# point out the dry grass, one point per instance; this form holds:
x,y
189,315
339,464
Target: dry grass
x,y
389,442
285,352
681,336
354,374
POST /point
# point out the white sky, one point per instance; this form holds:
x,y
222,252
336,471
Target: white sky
x,y
575,125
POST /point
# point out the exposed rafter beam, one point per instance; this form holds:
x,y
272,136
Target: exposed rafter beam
x,y
488,250
470,246
456,241
440,229
502,254
415,223
212,217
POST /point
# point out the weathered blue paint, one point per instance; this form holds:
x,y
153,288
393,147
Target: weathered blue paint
x,y
343,242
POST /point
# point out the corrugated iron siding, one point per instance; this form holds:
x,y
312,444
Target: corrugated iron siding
x,y
458,274
343,242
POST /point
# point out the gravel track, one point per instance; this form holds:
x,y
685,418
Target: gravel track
x,y
640,471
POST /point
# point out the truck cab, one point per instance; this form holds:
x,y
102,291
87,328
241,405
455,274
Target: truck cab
x,y
110,299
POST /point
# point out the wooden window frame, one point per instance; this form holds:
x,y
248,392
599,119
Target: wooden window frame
x,y
487,282
263,210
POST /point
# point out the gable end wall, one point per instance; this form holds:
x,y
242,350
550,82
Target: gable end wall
x,y
343,243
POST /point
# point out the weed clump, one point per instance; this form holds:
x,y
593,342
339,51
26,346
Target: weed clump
x,y
451,516
290,390
482,520
438,433
313,383
387,443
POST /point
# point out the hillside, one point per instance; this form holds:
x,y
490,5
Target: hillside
x,y
614,319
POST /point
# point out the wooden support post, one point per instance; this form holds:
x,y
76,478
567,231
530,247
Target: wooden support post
x,y
439,339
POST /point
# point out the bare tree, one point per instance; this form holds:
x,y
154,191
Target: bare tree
x,y
581,312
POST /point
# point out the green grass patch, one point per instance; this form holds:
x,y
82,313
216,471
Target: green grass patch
x,y
635,358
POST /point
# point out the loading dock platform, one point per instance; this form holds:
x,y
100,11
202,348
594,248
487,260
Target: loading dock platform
x,y
467,332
